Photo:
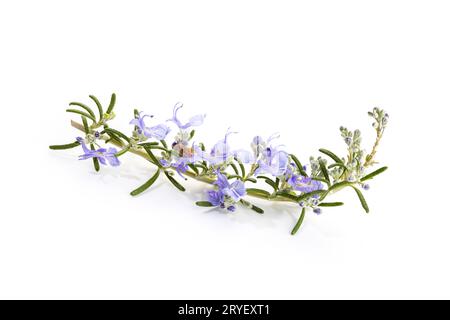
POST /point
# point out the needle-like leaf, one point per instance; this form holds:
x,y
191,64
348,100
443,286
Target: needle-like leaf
x,y
99,106
373,174
146,185
85,107
299,222
65,146
204,204
331,155
361,199
331,204
84,114
112,103
174,182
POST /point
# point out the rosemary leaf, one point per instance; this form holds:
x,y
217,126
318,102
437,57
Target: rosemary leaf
x,y
193,168
310,194
65,146
331,204
111,103
258,192
117,133
331,155
324,171
84,114
252,206
174,182
241,166
287,195
146,185
299,222
299,165
155,160
85,107
361,199
373,174
98,104
204,204
235,169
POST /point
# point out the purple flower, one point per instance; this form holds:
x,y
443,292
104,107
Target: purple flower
x,y
221,153
304,184
235,190
181,156
227,194
317,211
216,198
103,155
158,132
272,160
194,121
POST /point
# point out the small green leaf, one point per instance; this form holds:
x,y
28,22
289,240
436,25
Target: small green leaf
x,y
241,166
331,166
117,133
191,135
252,206
153,146
253,180
272,184
65,146
235,169
193,168
373,174
338,185
150,144
99,105
96,164
299,165
84,114
324,171
331,155
269,181
114,137
204,204
321,180
361,199
258,192
85,107
85,125
257,209
331,204
299,222
153,159
146,185
174,182
310,194
111,103
287,195
95,160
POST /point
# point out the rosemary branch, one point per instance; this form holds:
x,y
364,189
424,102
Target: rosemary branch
x,y
282,171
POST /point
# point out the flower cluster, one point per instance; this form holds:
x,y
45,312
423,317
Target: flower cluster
x,y
232,175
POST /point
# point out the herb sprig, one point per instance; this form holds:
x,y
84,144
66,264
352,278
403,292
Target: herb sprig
x,y
231,174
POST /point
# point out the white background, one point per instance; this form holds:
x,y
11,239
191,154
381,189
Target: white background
x,y
300,68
